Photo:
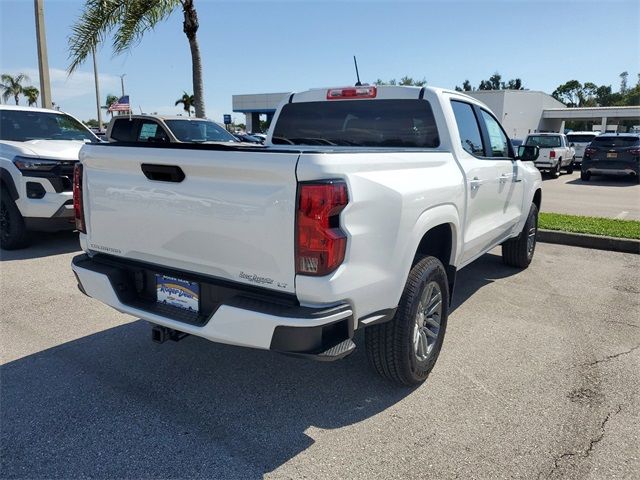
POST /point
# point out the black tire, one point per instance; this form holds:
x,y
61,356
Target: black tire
x,y
571,166
555,173
585,176
13,234
390,346
518,252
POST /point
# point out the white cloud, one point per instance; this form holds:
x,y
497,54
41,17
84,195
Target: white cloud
x,y
66,87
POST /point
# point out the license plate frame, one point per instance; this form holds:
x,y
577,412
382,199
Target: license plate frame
x,y
177,292
612,155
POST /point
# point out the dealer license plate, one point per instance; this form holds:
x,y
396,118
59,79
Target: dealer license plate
x,y
178,293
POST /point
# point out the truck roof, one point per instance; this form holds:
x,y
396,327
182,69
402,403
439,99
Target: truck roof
x,y
29,109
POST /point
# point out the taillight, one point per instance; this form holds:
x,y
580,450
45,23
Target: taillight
x,y
78,204
635,152
589,151
351,92
552,154
320,243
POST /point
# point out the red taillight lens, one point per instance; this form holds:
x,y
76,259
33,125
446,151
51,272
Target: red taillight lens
x,y
589,151
78,204
552,154
321,244
635,152
351,92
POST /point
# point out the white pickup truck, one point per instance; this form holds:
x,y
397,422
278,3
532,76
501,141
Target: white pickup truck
x,y
360,210
556,153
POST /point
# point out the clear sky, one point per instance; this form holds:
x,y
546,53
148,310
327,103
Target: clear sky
x,y
267,46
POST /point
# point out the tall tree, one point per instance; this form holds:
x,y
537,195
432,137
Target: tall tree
x,y
187,102
623,82
404,81
129,20
31,93
12,86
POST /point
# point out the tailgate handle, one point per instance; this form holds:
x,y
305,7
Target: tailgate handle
x,y
162,173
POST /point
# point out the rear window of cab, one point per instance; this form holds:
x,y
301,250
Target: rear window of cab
x,y
543,141
399,123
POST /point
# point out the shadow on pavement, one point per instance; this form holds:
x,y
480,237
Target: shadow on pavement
x,y
622,181
116,405
44,245
481,272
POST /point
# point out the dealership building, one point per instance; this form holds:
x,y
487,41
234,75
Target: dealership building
x,y
520,111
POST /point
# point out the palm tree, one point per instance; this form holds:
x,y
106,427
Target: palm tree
x,y
187,102
12,86
130,20
111,99
32,94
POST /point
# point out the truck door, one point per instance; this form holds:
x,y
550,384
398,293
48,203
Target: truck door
x,y
492,181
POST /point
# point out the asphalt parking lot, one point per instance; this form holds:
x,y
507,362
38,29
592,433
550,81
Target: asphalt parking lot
x,y
539,378
612,197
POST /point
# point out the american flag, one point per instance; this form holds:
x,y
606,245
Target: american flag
x,y
122,105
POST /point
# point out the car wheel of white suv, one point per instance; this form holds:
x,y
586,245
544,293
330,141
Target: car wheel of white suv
x,y
13,233
406,348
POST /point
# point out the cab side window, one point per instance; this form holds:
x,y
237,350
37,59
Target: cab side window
x,y
150,131
498,140
468,127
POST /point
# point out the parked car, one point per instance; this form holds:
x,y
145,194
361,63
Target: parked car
x,y
579,141
166,129
555,152
612,154
515,143
300,245
244,137
38,149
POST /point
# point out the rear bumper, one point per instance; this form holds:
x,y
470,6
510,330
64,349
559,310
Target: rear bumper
x,y
611,171
233,314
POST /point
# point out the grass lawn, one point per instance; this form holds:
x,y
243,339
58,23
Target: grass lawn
x,y
592,225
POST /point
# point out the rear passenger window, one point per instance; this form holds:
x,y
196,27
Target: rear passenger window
x,y
498,140
468,128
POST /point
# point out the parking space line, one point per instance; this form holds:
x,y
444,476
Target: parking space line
x,y
621,215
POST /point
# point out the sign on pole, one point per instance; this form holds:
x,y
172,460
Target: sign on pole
x,y
227,119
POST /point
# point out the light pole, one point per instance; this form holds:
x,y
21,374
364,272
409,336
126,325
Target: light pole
x,y
122,82
43,62
95,75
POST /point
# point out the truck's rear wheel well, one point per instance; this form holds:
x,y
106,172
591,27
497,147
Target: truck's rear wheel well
x,y
438,242
537,198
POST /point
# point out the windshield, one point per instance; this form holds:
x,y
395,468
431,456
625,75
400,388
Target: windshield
x,y
582,138
367,123
543,141
199,131
619,141
23,125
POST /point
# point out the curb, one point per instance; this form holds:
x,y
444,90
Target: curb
x,y
597,242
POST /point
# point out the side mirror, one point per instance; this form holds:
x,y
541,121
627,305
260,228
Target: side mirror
x,y
528,153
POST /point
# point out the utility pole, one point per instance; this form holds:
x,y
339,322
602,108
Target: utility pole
x,y
95,75
122,82
43,62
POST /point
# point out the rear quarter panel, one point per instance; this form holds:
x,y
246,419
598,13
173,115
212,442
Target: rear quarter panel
x,y
394,198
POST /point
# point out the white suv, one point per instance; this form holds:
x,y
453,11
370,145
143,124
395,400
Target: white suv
x,y
38,150
579,141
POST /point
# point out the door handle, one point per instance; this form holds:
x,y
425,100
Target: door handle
x,y
475,183
162,173
505,177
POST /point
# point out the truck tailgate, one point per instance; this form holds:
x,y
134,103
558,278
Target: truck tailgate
x,y
231,217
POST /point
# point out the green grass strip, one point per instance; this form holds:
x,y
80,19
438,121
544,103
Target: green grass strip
x,y
608,227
